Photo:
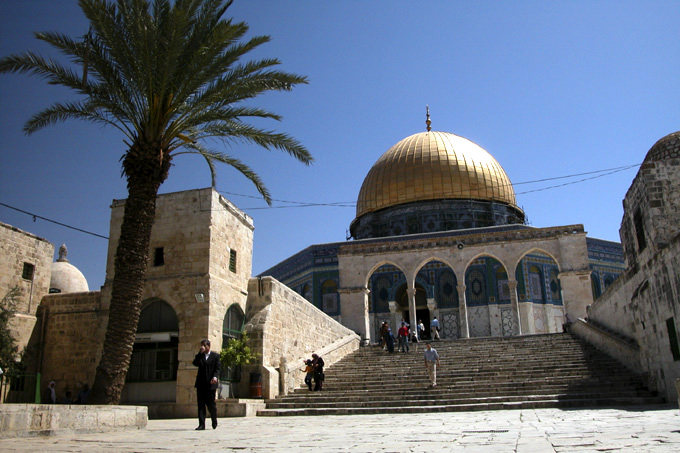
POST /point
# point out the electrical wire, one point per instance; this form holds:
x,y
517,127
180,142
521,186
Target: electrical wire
x,y
352,204
36,216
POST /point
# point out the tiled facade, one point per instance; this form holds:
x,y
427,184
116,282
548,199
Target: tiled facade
x,y
486,279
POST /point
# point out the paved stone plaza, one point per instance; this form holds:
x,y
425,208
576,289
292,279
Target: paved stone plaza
x,y
654,429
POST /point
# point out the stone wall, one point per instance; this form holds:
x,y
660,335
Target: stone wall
x,y
26,420
286,329
18,248
68,340
654,199
638,306
624,350
643,304
200,234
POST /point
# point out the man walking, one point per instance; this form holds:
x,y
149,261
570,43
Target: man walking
x,y
402,334
434,329
208,363
431,363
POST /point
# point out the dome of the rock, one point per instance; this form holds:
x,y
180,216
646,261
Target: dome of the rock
x,y
446,180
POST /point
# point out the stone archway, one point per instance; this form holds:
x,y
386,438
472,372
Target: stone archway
x,y
384,285
539,293
152,376
488,299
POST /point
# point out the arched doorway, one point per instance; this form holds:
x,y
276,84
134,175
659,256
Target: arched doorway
x,y
422,311
383,305
152,374
540,293
487,297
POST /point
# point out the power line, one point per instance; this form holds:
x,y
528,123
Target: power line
x,y
36,216
576,182
352,204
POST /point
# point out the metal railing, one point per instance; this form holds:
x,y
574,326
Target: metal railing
x,y
20,388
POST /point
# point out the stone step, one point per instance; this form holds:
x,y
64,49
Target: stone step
x,y
437,400
486,405
555,370
446,393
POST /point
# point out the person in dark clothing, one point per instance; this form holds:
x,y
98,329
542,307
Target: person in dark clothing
x,y
389,340
208,363
317,364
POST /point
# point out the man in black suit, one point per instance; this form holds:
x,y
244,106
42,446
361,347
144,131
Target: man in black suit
x,y
208,363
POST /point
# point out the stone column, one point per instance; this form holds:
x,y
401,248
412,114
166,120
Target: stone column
x,y
464,327
512,286
354,311
577,292
413,321
393,317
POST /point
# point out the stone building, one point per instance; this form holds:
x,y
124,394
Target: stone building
x,y
198,285
438,233
637,319
25,266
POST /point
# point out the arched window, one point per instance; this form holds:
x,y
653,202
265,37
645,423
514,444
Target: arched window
x,y
154,354
381,293
329,297
595,282
536,284
502,284
608,280
476,287
233,323
232,327
447,292
306,292
555,289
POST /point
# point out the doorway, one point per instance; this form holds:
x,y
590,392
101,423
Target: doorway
x,y
422,314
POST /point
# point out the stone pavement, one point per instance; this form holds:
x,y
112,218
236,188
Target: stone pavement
x,y
641,429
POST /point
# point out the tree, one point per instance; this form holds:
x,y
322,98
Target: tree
x,y
8,346
169,76
236,352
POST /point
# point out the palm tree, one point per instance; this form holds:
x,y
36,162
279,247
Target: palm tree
x,y
168,75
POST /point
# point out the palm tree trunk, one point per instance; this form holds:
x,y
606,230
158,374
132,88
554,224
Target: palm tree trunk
x,y
128,285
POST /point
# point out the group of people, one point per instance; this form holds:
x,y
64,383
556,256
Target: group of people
x,y
49,395
404,335
209,367
314,370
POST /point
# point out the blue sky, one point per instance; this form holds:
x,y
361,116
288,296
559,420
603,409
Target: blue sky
x,y
550,89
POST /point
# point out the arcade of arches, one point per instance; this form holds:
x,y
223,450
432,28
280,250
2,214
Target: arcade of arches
x,y
487,293
501,288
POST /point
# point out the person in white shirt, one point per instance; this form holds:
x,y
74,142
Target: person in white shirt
x,y
434,329
431,363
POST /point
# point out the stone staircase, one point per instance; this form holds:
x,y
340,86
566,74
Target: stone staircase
x,y
554,370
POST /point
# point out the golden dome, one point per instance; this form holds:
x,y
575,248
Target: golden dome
x,y
434,166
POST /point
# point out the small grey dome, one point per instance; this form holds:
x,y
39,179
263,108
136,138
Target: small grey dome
x,y
666,148
66,278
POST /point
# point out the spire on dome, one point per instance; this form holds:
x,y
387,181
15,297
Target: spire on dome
x,y
427,121
63,251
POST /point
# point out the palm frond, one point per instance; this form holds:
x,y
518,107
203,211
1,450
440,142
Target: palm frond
x,y
212,157
162,72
